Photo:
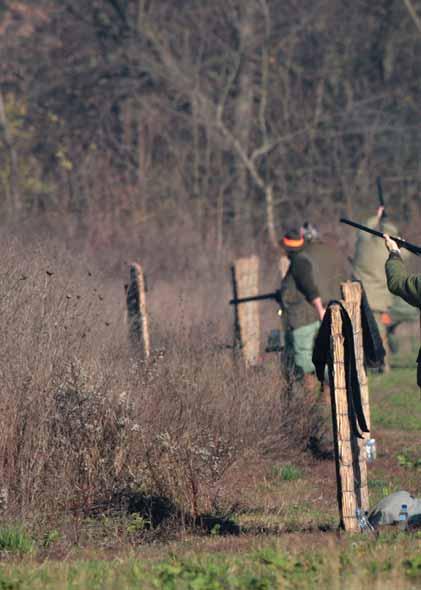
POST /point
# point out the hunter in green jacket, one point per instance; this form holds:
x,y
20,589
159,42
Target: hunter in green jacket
x,y
402,283
302,307
399,281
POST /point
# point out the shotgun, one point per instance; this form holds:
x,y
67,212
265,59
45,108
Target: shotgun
x,y
400,242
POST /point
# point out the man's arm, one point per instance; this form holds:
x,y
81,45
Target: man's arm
x,y
379,216
304,279
399,280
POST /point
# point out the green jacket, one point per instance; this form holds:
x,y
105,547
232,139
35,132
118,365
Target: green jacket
x,y
401,282
328,267
298,290
368,266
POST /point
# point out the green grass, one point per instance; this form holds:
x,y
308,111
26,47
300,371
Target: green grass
x,y
391,562
15,540
287,472
395,400
410,459
294,518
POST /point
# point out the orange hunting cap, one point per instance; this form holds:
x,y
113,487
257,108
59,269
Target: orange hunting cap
x,y
292,240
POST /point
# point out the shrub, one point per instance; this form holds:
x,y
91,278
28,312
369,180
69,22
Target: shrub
x,y
84,422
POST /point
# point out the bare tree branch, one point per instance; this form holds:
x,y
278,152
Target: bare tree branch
x,y
411,9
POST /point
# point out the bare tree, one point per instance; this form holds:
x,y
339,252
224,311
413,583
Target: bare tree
x,y
242,115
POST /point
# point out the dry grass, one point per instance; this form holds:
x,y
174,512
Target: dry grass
x,y
82,421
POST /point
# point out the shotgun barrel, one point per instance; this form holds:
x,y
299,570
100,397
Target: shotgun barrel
x,y
380,191
400,242
381,197
276,296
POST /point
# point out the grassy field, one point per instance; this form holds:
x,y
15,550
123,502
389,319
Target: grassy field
x,y
284,521
392,562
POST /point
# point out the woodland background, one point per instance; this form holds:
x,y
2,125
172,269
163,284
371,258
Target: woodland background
x,y
170,127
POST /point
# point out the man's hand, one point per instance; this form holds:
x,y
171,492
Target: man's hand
x,y
391,245
380,212
318,305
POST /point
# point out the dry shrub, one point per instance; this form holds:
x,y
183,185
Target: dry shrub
x,y
201,414
52,319
89,436
82,421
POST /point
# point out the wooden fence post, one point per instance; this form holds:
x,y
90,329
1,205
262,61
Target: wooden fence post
x,y
136,313
351,293
350,451
347,499
237,343
245,281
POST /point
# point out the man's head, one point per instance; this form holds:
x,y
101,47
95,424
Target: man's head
x,y
292,241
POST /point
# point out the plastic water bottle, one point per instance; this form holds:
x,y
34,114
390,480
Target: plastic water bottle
x,y
403,518
370,450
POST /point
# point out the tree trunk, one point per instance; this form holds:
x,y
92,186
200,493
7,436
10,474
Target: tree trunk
x,y
244,111
8,141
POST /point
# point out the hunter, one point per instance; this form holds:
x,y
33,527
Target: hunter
x,y
302,308
367,265
327,259
403,284
399,281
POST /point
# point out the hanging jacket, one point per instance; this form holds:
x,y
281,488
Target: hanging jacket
x,y
322,356
374,351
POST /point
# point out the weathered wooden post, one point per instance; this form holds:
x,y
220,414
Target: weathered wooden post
x,y
237,344
347,499
350,451
245,283
351,293
136,313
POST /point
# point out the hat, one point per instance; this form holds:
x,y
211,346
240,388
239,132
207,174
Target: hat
x,y
293,240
